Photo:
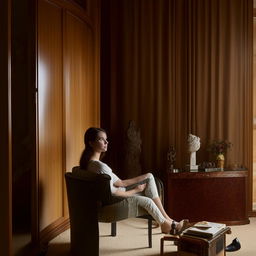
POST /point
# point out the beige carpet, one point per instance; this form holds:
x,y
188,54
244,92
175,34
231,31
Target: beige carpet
x,y
131,240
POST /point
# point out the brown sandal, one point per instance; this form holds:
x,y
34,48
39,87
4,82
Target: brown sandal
x,y
179,227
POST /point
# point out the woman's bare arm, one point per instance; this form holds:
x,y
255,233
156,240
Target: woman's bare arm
x,y
128,182
131,192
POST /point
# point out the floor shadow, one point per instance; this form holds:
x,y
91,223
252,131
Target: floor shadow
x,y
140,224
111,251
119,252
59,249
171,254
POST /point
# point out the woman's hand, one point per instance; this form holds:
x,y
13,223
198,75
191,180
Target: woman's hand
x,y
131,192
141,187
126,183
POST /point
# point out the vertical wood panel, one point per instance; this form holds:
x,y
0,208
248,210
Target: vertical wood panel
x,y
254,115
50,113
81,99
68,99
5,127
24,125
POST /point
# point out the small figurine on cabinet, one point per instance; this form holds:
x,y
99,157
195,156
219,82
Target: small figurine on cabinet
x,y
171,158
193,146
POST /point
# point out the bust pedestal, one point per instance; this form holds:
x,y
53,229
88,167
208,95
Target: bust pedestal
x,y
192,166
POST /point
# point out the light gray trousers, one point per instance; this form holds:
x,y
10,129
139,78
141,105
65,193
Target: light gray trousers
x,y
144,200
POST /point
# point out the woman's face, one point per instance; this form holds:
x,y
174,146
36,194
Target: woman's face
x,y
100,145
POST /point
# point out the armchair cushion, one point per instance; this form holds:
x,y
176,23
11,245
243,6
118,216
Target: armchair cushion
x,y
104,192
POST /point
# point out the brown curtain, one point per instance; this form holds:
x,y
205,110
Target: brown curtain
x,y
178,67
217,62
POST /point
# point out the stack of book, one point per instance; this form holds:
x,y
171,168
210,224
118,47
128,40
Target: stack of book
x,y
205,229
213,169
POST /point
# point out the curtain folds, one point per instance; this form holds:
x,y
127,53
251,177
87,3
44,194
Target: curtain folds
x,y
179,67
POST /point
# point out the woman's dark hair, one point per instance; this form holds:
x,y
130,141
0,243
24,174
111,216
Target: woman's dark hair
x,y
90,135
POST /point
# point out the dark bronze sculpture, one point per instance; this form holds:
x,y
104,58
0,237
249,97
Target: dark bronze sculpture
x,y
132,150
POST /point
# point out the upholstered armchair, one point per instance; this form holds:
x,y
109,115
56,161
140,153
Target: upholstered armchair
x,y
90,201
114,212
84,193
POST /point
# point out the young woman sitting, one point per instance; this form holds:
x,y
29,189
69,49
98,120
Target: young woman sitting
x,y
139,191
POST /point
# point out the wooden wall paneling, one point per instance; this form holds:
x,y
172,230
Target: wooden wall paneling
x,y
254,113
87,35
81,92
68,101
76,9
254,72
5,127
81,3
50,113
96,17
23,125
248,126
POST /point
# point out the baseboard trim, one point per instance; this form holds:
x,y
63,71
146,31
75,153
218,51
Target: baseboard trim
x,y
252,213
236,222
53,230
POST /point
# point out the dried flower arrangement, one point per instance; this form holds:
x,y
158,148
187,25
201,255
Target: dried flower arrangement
x,y
219,147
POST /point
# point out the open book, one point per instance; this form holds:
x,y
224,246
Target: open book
x,y
205,229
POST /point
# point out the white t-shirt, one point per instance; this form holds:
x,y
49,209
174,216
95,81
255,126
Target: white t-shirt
x,y
100,167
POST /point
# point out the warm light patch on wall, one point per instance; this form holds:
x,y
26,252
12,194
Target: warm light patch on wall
x,y
254,110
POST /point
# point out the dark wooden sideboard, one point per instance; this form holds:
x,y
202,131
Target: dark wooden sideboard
x,y
213,196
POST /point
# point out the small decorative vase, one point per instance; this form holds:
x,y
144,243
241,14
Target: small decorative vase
x,y
220,161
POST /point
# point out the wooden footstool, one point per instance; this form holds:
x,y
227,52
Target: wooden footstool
x,y
197,246
175,239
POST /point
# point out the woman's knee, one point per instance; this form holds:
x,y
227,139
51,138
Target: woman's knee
x,y
150,175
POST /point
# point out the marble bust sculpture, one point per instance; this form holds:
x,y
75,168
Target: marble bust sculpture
x,y
193,146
